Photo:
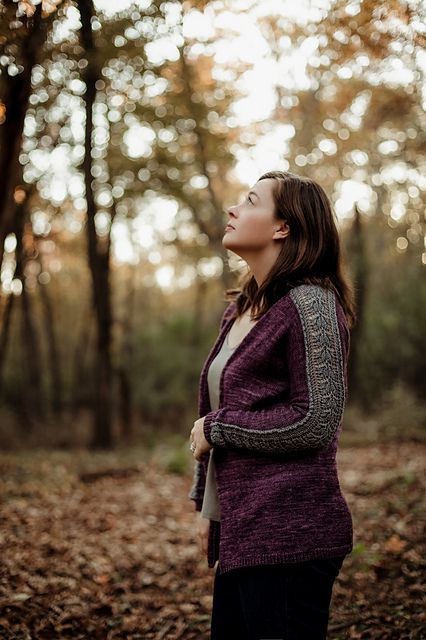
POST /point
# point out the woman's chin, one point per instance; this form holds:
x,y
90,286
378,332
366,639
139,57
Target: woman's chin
x,y
227,242
231,246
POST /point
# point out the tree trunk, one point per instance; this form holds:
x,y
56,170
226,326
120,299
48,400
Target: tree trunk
x,y
17,93
359,261
32,367
125,405
33,405
125,385
5,331
79,364
52,345
98,251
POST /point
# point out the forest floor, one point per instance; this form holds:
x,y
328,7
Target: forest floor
x,y
103,546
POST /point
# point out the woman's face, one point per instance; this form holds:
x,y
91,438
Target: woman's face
x,y
253,224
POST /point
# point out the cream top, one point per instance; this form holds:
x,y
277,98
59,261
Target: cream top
x,y
210,508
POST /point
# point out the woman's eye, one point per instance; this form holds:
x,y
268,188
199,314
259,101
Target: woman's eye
x,y
249,199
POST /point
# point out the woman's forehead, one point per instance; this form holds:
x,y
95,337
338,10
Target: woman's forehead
x,y
263,188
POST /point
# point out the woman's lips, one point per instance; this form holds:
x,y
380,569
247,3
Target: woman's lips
x,y
229,226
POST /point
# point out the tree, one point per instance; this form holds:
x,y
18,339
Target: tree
x,y
21,45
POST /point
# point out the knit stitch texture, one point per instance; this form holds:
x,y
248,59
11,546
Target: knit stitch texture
x,y
282,397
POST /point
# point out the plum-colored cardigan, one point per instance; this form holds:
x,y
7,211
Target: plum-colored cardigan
x,y
282,397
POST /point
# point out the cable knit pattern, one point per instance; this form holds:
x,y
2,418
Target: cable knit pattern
x,y
282,398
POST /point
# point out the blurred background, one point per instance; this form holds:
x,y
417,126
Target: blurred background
x,y
126,130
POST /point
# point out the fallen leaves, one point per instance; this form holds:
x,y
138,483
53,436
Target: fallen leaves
x,y
394,544
112,553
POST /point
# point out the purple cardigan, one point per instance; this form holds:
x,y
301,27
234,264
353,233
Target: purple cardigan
x,y
282,397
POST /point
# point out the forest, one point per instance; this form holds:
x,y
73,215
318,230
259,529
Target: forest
x,y
127,129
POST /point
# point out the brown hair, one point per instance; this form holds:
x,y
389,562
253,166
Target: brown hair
x,y
310,254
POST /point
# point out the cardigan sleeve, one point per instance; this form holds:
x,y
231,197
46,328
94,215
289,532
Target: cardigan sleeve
x,y
200,468
316,363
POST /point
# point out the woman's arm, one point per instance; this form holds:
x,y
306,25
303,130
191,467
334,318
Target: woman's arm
x,y
316,362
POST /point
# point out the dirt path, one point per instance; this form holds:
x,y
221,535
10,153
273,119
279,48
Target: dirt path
x,y
116,556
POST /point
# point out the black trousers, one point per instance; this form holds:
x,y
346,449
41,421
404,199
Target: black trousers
x,y
288,601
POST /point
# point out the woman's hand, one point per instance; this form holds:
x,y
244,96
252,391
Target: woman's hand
x,y
203,533
199,444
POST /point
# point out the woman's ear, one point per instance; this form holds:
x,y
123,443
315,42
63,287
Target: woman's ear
x,y
282,231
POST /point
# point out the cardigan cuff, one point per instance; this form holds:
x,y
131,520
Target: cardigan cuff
x,y
208,419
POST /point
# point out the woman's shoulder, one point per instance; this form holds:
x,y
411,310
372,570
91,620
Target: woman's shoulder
x,y
311,299
303,300
228,313
307,294
317,304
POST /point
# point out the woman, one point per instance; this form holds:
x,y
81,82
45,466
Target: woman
x,y
271,402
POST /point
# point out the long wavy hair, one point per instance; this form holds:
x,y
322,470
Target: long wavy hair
x,y
310,254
